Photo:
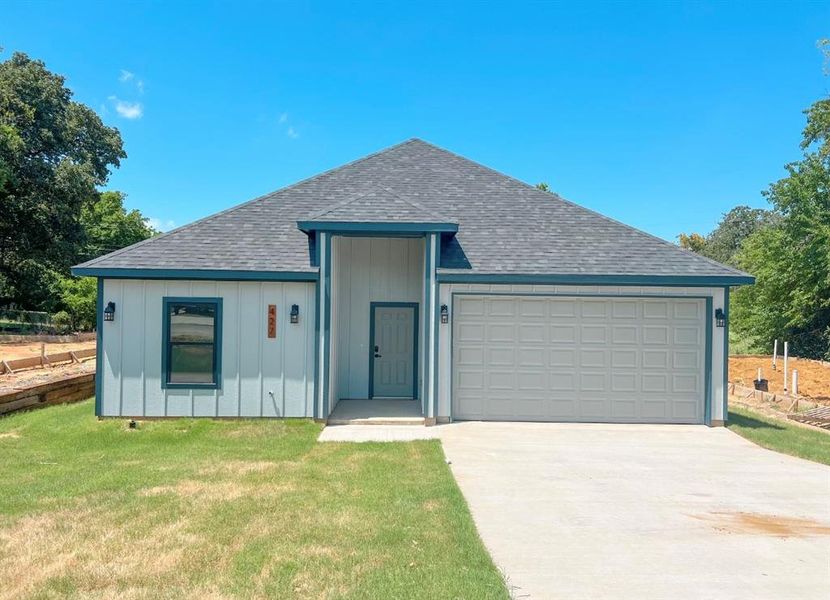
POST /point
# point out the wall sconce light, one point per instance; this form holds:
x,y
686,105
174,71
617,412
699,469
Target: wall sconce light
x,y
445,314
109,312
720,317
295,313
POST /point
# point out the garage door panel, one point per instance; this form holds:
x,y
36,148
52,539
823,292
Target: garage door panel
x,y
624,309
593,408
562,307
594,308
656,334
593,382
499,332
563,334
562,357
562,382
623,382
625,358
535,309
501,356
578,359
655,309
535,357
686,359
470,356
593,334
471,332
531,381
624,409
655,359
625,334
531,334
687,336
687,310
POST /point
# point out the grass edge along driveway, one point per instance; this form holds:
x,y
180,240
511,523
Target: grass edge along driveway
x,y
779,435
228,509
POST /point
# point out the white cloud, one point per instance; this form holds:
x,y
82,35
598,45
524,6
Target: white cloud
x,y
283,118
159,224
126,76
292,133
126,109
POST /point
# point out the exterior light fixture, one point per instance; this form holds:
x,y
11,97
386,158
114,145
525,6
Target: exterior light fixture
x,y
109,312
295,313
445,314
720,317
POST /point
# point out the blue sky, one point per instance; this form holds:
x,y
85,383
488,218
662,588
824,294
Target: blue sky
x,y
660,115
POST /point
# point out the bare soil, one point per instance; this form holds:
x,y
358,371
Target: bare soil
x,y
15,350
31,377
813,376
35,376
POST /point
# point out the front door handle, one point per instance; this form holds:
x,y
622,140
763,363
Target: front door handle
x,y
378,355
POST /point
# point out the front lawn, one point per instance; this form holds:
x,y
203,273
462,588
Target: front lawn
x,y
779,435
228,509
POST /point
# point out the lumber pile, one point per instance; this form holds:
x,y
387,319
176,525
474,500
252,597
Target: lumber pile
x,y
818,417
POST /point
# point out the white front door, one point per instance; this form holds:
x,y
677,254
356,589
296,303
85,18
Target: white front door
x,y
560,358
393,350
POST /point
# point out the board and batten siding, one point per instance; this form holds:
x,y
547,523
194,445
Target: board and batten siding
x,y
252,364
445,342
366,270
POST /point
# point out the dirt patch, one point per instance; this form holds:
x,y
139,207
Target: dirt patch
x,y
15,350
10,382
813,376
760,524
213,491
10,435
238,467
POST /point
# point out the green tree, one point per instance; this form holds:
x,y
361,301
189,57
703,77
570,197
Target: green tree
x,y
791,258
692,241
108,226
54,152
724,242
78,295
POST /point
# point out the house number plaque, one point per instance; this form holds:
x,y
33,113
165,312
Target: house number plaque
x,y
272,320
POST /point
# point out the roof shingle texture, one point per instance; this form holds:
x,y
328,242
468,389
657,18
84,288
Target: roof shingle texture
x,y
504,226
378,205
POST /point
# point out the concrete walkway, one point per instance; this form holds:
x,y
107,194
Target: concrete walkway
x,y
640,511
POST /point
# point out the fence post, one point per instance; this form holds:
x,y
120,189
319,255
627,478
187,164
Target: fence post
x,y
775,355
795,382
786,357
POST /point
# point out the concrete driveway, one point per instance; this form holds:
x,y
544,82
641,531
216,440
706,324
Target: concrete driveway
x,y
642,511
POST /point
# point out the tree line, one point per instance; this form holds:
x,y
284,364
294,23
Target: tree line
x,y
787,248
55,156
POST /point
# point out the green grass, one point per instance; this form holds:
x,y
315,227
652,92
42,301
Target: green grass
x,y
228,509
780,436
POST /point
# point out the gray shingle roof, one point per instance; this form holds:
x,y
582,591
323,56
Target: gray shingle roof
x,y
504,226
378,205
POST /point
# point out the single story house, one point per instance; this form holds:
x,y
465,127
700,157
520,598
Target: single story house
x,y
413,273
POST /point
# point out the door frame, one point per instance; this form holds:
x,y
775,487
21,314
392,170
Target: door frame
x,y
372,307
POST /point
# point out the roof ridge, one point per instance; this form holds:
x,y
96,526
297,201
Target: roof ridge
x,y
210,217
579,206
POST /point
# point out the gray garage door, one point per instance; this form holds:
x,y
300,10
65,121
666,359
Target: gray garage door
x,y
594,359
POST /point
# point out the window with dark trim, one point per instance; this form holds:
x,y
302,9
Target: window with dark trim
x,y
192,342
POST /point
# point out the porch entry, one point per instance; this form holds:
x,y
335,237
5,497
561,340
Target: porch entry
x,y
393,350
